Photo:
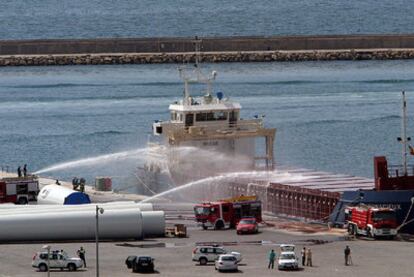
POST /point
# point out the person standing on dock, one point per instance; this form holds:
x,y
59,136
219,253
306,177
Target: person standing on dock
x,y
57,182
25,170
309,257
272,258
82,184
347,252
75,183
303,254
81,254
19,172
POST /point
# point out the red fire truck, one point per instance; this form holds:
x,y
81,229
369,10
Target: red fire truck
x,y
226,213
19,190
371,222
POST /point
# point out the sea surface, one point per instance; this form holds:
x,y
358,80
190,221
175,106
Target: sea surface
x,y
146,18
330,116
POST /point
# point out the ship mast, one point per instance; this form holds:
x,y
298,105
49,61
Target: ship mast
x,y
404,139
199,76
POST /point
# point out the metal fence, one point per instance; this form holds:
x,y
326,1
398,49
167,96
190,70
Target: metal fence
x,y
398,170
288,200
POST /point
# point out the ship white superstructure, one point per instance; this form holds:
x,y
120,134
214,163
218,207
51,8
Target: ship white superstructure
x,y
205,135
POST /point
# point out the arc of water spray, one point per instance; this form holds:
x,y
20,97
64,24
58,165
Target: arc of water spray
x,y
92,160
221,177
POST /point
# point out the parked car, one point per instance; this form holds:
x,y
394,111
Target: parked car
x,y
140,263
287,258
226,263
57,259
247,225
205,254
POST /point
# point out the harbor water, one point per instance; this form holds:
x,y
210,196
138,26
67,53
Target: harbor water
x,y
330,116
48,19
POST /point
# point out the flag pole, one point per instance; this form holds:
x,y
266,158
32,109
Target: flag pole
x,y
404,133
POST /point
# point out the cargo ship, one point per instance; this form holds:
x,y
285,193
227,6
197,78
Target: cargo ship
x,y
323,196
204,136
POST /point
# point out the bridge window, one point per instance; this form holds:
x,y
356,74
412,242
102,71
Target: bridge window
x,y
211,116
179,117
201,117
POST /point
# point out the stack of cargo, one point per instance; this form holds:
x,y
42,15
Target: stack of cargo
x,y
103,184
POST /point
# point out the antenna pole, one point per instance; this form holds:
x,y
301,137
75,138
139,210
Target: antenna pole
x,y
404,133
197,46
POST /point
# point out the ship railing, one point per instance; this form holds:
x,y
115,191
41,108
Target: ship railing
x,y
242,125
257,122
398,170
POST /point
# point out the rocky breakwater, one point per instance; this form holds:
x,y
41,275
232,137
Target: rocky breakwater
x,y
214,57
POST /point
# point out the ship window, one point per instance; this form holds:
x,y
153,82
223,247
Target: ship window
x,y
210,116
220,115
189,119
173,116
179,117
201,117
233,116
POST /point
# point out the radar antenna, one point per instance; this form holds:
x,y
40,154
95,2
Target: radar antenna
x,y
199,76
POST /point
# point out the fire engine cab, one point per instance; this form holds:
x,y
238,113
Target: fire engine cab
x,y
19,190
371,222
226,213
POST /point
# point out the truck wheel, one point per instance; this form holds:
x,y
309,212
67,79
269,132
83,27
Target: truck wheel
x,y
219,225
22,201
71,267
42,267
203,261
204,227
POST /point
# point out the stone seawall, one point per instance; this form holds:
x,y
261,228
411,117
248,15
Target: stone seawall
x,y
213,57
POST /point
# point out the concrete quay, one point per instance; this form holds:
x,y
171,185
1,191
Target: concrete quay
x,y
173,255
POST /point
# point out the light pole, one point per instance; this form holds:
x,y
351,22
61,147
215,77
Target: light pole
x,y
48,258
98,210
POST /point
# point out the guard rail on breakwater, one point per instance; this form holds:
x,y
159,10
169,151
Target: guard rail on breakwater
x,y
213,49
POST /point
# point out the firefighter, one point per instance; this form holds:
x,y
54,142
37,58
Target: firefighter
x,y
81,254
19,172
82,184
309,257
75,183
272,258
25,170
303,254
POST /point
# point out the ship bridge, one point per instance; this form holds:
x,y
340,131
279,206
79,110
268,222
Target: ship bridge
x,y
211,119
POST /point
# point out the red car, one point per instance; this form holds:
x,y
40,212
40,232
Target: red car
x,y
247,226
